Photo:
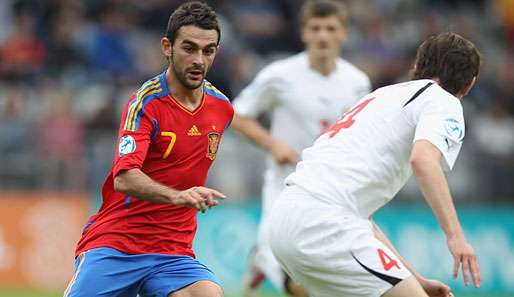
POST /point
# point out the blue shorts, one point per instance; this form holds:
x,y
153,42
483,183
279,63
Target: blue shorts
x,y
109,272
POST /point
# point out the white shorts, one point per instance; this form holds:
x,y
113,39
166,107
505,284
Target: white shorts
x,y
328,250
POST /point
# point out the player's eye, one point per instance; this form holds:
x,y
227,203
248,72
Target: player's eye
x,y
208,51
315,28
188,49
331,28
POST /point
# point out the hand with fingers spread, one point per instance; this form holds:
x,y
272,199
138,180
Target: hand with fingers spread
x,y
464,255
200,198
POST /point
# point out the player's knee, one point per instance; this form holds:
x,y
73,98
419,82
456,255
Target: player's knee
x,y
408,287
199,289
292,288
212,291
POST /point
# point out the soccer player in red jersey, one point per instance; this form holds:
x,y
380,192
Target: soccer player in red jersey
x,y
140,241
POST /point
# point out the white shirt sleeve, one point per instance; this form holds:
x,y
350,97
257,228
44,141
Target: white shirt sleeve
x,y
365,87
261,94
441,122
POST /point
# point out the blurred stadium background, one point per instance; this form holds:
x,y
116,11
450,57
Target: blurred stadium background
x,y
67,67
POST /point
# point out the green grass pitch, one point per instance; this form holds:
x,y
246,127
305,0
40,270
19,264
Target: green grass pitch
x,y
27,293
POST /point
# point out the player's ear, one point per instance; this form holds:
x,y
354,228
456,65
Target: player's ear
x,y
469,87
343,34
166,47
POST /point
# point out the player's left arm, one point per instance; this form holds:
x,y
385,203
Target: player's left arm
x,y
433,288
254,131
425,162
437,141
263,94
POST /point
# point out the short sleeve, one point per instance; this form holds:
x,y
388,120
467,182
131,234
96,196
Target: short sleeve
x,y
260,95
441,122
230,115
354,79
364,88
133,141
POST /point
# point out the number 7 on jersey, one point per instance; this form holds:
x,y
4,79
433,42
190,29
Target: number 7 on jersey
x,y
346,121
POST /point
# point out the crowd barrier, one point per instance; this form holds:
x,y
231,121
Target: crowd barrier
x,y
38,233
226,235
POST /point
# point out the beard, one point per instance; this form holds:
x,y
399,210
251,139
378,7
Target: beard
x,y
181,74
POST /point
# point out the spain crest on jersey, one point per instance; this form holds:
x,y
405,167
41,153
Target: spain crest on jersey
x,y
212,147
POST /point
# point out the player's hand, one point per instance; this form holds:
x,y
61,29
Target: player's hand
x,y
283,154
464,255
435,288
200,198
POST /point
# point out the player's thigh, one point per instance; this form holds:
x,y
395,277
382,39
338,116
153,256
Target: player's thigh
x,y
104,271
180,276
199,289
408,287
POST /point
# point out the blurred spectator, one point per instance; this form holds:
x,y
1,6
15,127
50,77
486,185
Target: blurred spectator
x,y
110,51
60,143
260,24
15,138
100,50
494,134
23,54
504,83
100,141
5,19
63,51
154,14
505,9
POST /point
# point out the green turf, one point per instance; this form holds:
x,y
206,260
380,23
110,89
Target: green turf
x,y
24,293
27,293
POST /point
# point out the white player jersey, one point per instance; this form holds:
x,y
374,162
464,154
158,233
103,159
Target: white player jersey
x,y
303,103
362,161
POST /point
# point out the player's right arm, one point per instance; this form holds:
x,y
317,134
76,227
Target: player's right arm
x,y
134,138
261,95
137,184
255,132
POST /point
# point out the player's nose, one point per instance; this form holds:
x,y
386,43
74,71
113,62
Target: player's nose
x,y
197,58
323,34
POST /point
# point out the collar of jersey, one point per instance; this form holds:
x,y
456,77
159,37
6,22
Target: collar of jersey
x,y
167,93
164,84
191,112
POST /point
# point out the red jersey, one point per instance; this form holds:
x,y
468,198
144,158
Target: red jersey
x,y
173,146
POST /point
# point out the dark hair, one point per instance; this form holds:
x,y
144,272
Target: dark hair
x,y
449,57
322,8
194,13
